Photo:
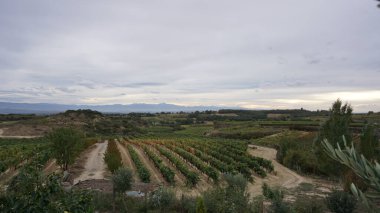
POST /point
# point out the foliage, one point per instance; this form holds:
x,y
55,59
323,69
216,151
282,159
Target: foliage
x,y
203,167
30,191
162,198
369,172
232,198
66,145
143,172
200,206
309,205
112,156
13,152
341,202
333,129
122,180
165,171
276,196
191,177
369,141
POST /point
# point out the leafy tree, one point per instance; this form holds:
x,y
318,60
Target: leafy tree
x,y
122,181
66,143
333,129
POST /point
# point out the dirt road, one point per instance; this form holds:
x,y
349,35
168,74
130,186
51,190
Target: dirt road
x,y
127,161
15,136
283,176
94,167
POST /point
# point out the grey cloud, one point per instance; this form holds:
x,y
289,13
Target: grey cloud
x,y
187,52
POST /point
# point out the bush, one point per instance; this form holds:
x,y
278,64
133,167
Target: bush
x,y
309,205
112,156
200,206
122,180
276,196
162,198
236,181
341,202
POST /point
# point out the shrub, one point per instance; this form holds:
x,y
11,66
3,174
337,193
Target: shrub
x,y
341,202
122,180
162,198
308,205
112,157
200,206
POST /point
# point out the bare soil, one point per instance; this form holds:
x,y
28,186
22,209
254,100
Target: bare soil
x,y
94,166
6,133
286,178
155,173
127,161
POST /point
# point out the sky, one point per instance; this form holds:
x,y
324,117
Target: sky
x,y
253,54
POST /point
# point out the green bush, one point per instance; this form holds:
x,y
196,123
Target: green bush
x,y
341,202
309,205
162,198
122,180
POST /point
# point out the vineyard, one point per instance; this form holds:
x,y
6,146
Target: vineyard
x,y
15,152
195,159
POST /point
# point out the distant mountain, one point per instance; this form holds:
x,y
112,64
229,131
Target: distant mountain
x,y
45,108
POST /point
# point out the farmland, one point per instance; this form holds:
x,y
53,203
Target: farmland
x,y
190,158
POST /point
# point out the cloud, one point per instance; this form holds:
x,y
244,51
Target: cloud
x,y
246,53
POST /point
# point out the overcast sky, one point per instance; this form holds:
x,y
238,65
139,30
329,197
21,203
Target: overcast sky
x,y
255,54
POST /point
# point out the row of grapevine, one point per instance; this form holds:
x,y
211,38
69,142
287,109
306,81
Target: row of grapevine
x,y
13,152
192,177
157,161
238,166
243,159
208,170
112,157
252,160
221,166
143,172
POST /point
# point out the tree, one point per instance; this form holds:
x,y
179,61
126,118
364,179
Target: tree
x,y
368,142
333,129
66,142
368,171
122,181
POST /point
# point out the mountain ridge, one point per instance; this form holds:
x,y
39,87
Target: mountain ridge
x,y
52,108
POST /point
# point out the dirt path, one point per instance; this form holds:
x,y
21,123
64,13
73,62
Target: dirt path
x,y
127,161
283,176
94,167
7,136
50,167
156,174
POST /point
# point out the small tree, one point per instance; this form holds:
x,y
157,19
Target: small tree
x,y
122,181
65,144
332,130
